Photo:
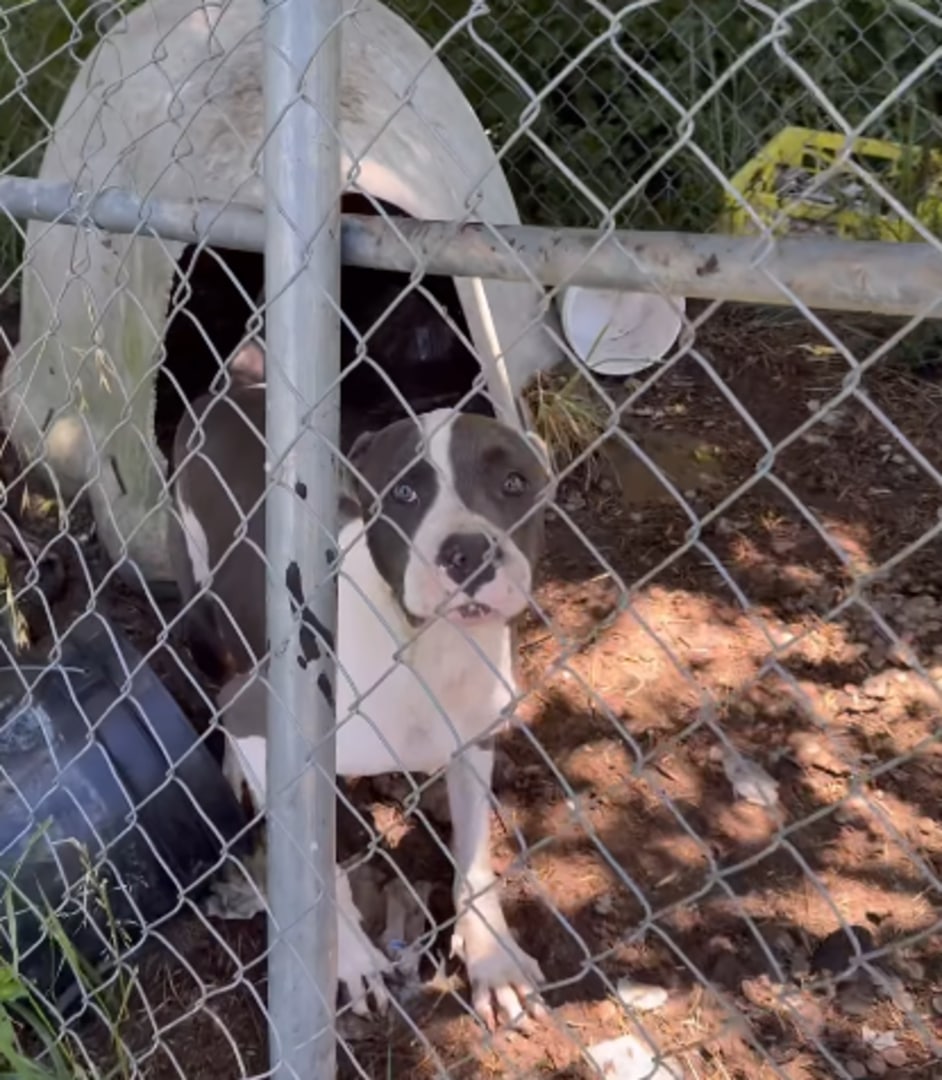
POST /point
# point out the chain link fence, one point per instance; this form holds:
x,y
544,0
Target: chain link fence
x,y
712,823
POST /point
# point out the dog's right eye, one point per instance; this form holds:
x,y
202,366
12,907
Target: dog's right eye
x,y
405,493
514,484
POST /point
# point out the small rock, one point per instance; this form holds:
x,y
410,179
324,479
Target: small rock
x,y
642,997
857,998
627,1058
876,1066
816,751
895,1057
836,953
813,405
876,686
878,1040
901,654
937,1004
605,905
750,781
857,1069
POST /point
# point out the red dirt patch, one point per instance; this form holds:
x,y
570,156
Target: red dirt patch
x,y
756,619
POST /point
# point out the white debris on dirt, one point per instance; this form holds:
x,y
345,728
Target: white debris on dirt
x,y
627,1058
642,997
878,1040
750,781
605,905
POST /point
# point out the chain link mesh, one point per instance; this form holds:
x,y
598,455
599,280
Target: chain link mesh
x,y
715,806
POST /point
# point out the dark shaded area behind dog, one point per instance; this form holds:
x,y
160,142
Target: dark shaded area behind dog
x,y
418,348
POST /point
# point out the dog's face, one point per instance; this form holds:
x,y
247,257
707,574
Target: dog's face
x,y
454,514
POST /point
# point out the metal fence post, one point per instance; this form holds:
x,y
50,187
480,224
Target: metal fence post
x,y
302,281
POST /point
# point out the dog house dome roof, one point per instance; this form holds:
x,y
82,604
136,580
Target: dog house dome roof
x,y
170,105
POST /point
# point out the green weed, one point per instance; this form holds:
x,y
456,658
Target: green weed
x,y
34,1044
645,115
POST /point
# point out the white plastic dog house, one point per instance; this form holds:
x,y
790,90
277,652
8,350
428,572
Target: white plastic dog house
x,y
170,105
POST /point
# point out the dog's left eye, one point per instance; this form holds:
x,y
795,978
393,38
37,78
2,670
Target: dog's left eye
x,y
515,484
405,493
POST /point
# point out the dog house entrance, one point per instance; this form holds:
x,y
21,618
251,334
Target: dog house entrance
x,y
417,346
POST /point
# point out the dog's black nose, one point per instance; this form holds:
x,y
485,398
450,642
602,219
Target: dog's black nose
x,y
470,559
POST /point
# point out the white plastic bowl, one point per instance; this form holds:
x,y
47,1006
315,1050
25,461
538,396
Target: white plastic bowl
x,y
620,333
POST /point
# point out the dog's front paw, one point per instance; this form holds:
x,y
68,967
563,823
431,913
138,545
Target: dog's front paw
x,y
498,969
361,967
239,891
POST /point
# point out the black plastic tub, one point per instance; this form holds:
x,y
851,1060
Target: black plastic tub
x,y
112,811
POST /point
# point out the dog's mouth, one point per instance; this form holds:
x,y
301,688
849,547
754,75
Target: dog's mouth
x,y
473,611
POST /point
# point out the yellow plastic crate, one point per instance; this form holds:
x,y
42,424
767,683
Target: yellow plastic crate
x,y
775,182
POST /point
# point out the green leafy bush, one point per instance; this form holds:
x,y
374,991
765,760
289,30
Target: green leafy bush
x,y
42,44
643,115
635,121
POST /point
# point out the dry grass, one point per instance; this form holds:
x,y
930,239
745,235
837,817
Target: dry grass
x,y
571,419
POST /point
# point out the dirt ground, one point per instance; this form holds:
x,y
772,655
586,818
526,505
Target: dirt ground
x,y
659,647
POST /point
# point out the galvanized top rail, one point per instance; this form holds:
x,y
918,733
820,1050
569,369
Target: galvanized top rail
x,y
819,272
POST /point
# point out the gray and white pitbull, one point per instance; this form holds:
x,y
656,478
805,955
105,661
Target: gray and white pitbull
x,y
439,535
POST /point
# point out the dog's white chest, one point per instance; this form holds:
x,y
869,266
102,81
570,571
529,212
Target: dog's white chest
x,y
414,713
412,710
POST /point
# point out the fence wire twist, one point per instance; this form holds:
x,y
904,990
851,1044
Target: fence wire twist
x,y
713,817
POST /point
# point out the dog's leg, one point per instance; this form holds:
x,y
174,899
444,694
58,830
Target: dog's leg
x,y
360,965
497,967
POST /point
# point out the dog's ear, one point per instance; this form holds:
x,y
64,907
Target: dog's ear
x,y
352,487
361,444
